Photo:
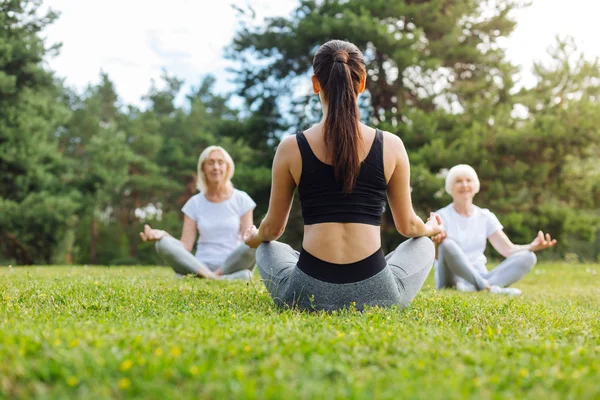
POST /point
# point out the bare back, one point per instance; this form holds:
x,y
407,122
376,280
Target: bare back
x,y
340,243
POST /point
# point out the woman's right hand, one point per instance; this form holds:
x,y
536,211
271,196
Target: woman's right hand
x,y
152,235
251,237
434,226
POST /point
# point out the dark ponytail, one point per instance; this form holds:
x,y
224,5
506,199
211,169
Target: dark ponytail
x,y
339,67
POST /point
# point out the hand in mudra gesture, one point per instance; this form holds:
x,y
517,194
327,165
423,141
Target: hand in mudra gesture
x,y
152,235
251,238
542,242
434,225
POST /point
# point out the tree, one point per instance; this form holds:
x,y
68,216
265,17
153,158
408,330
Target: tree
x,y
35,204
426,62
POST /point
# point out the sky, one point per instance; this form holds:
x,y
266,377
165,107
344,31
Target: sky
x,y
133,40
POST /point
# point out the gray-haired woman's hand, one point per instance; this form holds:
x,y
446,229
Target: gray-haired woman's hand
x,y
542,242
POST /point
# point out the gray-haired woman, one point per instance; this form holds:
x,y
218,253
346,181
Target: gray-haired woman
x,y
220,214
460,247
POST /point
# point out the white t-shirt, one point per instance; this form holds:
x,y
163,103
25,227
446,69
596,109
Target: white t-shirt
x,y
218,224
470,233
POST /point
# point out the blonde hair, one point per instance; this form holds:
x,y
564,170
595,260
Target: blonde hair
x,y
461,170
201,182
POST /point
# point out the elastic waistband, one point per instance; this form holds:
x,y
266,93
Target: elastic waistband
x,y
341,273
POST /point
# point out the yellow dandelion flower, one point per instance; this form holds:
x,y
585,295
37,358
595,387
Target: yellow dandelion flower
x,y
126,365
158,352
194,370
74,343
524,373
175,351
124,383
72,381
247,348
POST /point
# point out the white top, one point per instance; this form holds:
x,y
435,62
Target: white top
x,y
218,224
470,233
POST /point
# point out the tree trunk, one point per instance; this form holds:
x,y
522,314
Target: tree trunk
x,y
133,244
93,241
19,250
70,240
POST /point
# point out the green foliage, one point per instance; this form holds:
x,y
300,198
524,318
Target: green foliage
x,y
35,204
140,333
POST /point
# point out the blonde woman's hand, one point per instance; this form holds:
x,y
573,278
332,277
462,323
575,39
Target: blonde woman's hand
x,y
152,235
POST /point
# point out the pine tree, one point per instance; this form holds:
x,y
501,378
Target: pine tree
x,y
35,204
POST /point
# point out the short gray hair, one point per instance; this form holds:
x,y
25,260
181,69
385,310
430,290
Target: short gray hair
x,y
461,170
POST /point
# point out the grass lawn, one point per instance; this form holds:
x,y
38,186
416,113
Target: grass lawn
x,y
139,333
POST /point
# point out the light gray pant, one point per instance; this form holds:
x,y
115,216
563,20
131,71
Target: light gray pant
x,y
238,265
453,262
398,283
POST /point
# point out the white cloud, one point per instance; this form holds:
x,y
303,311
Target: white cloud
x,y
538,25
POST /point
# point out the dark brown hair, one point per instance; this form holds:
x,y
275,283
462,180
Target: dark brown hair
x,y
339,67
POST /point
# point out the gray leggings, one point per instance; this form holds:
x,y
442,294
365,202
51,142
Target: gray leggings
x,y
453,262
398,283
238,265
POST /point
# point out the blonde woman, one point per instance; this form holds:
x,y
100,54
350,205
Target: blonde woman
x,y
219,214
460,247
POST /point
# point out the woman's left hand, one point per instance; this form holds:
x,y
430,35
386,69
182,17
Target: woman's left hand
x,y
251,237
542,242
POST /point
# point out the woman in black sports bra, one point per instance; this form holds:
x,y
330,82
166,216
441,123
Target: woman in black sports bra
x,y
343,170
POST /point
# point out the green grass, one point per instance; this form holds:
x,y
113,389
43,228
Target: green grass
x,y
139,333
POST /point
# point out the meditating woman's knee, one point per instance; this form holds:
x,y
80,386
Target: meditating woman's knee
x,y
165,245
423,244
424,247
274,252
449,246
264,251
528,260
